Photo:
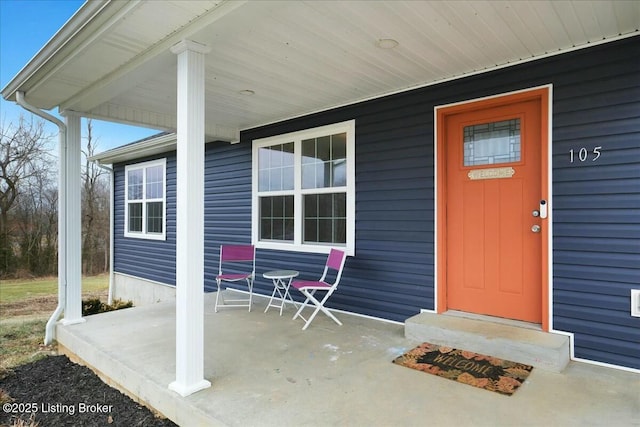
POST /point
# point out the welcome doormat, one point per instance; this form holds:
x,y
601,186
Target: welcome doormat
x,y
478,370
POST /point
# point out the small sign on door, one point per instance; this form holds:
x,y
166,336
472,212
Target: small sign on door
x,y
492,173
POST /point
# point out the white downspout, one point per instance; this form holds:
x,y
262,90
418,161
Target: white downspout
x,y
111,212
62,276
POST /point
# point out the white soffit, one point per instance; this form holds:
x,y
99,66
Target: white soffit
x,y
304,56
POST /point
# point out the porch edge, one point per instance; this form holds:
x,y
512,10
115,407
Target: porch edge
x,y
143,390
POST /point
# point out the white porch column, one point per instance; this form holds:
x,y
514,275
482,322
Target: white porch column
x,y
69,192
190,220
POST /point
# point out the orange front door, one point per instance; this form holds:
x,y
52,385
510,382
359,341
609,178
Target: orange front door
x,y
493,187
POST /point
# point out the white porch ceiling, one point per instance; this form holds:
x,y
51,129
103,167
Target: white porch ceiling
x,y
112,60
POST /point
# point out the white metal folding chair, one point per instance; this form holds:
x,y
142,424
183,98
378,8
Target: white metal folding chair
x,y
239,264
333,267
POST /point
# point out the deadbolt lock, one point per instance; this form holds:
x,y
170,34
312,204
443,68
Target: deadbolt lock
x,y
535,228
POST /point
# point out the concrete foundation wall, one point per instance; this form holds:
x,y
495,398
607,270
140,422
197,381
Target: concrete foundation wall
x,y
141,291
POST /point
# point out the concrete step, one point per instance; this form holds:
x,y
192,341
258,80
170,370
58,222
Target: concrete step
x,y
515,341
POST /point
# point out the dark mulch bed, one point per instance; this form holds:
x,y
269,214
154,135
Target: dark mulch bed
x,y
57,392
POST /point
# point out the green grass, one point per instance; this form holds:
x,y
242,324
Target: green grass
x,y
25,307
14,290
21,342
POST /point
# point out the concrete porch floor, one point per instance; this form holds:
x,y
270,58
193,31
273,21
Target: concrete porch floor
x,y
266,371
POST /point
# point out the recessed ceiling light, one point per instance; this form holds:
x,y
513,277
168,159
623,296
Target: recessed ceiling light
x,y
247,92
387,43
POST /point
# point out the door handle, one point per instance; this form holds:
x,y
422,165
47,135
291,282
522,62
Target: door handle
x,y
536,228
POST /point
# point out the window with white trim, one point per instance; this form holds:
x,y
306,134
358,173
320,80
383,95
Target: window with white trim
x,y
304,190
145,200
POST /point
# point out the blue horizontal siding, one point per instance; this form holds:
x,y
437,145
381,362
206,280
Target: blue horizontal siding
x,y
583,185
391,275
587,201
596,205
613,231
606,338
149,259
591,258
611,317
227,202
601,352
609,274
590,244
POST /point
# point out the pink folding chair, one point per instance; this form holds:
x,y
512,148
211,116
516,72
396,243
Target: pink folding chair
x,y
333,267
239,264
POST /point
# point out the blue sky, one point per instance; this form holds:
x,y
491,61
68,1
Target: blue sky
x,y
25,27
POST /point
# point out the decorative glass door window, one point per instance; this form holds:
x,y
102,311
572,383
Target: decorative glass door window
x,y
492,143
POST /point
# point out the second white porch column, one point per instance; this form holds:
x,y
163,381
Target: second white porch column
x,y
72,218
190,220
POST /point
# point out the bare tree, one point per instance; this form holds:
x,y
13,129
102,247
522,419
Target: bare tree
x,y
24,161
28,203
95,210
36,218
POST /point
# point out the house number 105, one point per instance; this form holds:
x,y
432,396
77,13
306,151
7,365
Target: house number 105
x,y
583,154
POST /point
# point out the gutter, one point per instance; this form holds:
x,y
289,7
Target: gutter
x,y
111,212
62,244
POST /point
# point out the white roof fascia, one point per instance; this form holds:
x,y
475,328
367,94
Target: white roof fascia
x,y
67,33
136,150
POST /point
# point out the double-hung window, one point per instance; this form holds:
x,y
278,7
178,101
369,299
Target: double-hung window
x,y
145,200
304,190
